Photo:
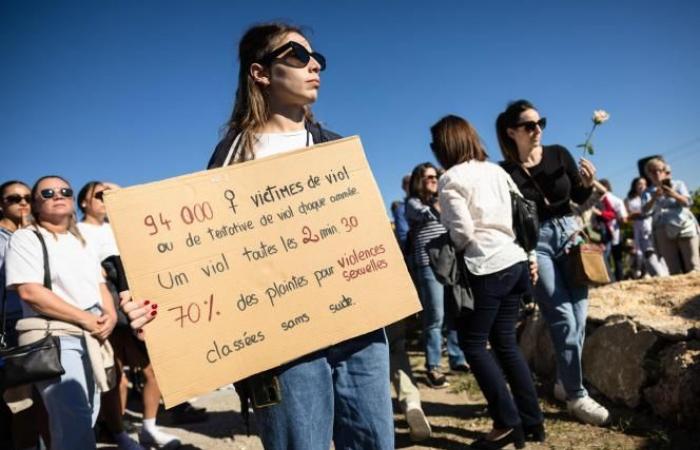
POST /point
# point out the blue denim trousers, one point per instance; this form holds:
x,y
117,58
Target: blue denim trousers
x,y
493,319
432,297
338,394
563,303
73,400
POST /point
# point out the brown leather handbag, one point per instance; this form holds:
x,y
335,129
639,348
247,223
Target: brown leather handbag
x,y
586,262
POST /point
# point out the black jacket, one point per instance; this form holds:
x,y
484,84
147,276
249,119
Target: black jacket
x,y
221,151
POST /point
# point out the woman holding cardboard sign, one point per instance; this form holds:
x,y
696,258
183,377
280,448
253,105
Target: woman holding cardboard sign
x,y
341,393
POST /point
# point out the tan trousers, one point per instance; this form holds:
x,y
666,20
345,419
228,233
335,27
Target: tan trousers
x,y
681,254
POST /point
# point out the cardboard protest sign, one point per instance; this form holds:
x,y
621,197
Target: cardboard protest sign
x,y
256,264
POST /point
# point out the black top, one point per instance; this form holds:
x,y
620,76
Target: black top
x,y
557,177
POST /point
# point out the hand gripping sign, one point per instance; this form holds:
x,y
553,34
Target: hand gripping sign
x,y
257,264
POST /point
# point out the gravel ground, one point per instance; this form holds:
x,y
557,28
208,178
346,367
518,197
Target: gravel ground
x,y
458,416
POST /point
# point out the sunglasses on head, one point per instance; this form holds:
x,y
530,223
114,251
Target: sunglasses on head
x,y
530,125
15,199
51,193
298,53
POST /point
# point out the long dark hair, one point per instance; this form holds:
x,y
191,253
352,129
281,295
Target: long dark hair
x,y
633,187
415,186
85,191
3,188
251,110
508,119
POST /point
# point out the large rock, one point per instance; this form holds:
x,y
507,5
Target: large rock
x,y
614,360
537,347
677,394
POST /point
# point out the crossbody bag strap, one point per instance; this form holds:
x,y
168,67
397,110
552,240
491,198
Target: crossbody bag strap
x,y
537,186
47,270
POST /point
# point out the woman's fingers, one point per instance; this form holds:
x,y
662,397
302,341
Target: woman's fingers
x,y
140,312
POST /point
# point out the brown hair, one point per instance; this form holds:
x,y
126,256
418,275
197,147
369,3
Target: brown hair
x,y
415,185
455,141
508,119
251,110
72,222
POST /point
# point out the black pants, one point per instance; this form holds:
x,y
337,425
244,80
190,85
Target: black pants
x,y
496,303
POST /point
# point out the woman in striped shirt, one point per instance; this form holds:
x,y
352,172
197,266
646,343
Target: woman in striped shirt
x,y
423,215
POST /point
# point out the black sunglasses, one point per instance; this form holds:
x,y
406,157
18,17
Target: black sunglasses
x,y
99,195
298,53
15,199
51,193
530,125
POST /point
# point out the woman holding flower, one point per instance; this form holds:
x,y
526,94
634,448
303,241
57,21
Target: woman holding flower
x,y
549,176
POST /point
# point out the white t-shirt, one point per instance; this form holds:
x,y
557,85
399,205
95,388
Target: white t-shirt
x,y
75,272
269,144
476,210
99,239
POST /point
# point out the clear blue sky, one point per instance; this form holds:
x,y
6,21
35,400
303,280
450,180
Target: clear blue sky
x,y
138,91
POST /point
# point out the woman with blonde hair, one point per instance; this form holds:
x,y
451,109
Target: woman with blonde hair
x,y
73,304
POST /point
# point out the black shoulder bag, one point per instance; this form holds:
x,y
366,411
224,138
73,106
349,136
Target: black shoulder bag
x,y
525,223
33,362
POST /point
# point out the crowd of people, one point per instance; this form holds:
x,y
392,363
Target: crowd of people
x,y
64,278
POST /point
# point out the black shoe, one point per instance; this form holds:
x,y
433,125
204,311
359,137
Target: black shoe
x,y
463,367
534,433
186,413
515,437
436,379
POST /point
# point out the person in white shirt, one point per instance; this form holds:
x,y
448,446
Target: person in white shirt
x,y
77,307
475,199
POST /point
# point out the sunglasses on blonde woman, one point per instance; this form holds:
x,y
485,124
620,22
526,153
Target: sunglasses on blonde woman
x,y
51,193
15,199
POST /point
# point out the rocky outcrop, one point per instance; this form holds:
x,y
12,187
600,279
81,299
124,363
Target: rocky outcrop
x,y
677,394
642,345
614,358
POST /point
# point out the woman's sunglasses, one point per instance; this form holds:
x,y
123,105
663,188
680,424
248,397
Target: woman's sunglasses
x,y
16,199
299,57
99,196
530,125
51,193
431,177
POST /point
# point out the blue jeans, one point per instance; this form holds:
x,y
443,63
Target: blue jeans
x,y
340,393
432,296
73,400
563,303
496,305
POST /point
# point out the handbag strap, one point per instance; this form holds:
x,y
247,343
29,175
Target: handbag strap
x,y
537,186
47,270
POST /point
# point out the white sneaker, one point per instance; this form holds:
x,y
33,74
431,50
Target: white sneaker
x,y
158,438
559,391
419,428
588,411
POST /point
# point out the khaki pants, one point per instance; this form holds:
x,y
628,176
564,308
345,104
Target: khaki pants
x,y
680,254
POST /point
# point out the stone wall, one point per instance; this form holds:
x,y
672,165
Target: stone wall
x,y
642,346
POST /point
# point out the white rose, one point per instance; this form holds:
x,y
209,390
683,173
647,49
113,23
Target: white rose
x,y
600,116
